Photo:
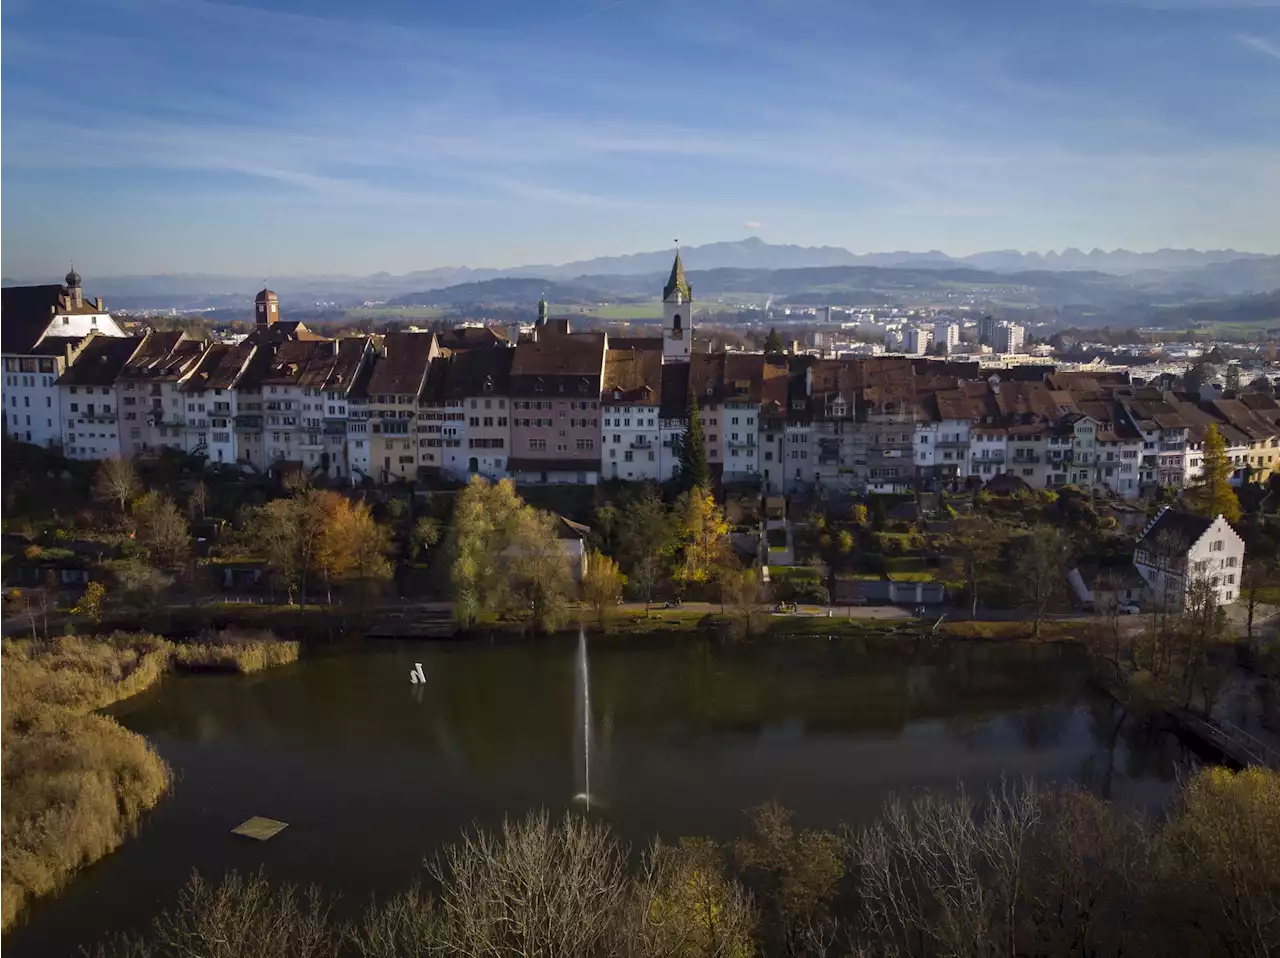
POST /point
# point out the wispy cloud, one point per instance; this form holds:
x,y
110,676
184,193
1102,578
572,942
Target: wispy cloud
x,y
1261,44
752,225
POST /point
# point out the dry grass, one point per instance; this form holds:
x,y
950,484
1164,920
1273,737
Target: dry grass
x,y
75,783
235,651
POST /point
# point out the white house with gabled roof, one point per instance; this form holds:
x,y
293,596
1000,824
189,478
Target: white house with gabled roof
x,y
1177,549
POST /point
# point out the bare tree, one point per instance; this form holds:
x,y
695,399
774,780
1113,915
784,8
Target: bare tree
x,y
1043,559
942,876
745,595
980,546
235,918
1257,575
1088,877
116,481
533,888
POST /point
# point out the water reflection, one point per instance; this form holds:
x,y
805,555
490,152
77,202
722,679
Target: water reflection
x,y
678,738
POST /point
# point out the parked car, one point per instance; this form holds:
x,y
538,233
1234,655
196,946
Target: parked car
x,y
785,607
1128,608
671,604
858,600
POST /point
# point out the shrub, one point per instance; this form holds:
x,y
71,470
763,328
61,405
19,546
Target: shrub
x,y
235,651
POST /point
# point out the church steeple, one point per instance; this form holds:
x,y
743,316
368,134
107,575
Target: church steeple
x,y
677,284
677,310
544,310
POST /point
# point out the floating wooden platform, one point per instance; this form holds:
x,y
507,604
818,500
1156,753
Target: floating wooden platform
x,y
260,828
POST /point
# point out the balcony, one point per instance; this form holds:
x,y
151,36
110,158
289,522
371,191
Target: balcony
x,y
335,427
952,444
640,442
742,443
95,417
987,455
248,422
1026,458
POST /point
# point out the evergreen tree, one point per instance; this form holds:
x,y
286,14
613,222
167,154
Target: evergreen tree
x,y
694,471
773,343
1212,495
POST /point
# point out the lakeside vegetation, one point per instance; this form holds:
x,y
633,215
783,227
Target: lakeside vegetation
x,y
76,783
1020,871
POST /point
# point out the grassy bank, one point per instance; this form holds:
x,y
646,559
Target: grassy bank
x,y
76,783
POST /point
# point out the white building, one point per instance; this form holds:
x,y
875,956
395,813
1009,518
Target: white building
x,y
942,448
1008,338
44,328
1178,549
948,334
988,448
630,425
916,341
91,416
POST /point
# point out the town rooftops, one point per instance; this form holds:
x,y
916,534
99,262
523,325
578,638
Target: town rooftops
x,y
100,362
470,372
299,362
346,363
56,345
559,365
401,366
632,376
222,367
472,337
673,400
1177,526
27,311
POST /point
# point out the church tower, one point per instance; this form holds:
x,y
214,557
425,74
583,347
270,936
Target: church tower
x,y
677,311
266,308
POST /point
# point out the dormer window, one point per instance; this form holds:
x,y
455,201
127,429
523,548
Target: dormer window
x,y
488,384
538,385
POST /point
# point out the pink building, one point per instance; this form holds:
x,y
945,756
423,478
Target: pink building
x,y
555,406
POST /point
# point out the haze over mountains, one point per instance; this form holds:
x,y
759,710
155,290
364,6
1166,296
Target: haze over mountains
x,y
738,266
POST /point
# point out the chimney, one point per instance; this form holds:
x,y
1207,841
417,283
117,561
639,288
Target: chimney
x,y
97,302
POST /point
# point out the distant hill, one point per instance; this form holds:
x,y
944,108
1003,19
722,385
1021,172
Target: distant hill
x,y
1263,310
1189,273
839,285
521,291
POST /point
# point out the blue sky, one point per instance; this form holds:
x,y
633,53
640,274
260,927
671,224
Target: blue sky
x,y
318,136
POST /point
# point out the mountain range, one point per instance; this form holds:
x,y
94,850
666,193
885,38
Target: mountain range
x,y
726,267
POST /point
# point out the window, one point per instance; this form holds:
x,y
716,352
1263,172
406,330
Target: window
x,y
1217,545
537,445
627,456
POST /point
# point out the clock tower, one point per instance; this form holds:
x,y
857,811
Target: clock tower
x,y
677,312
266,306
